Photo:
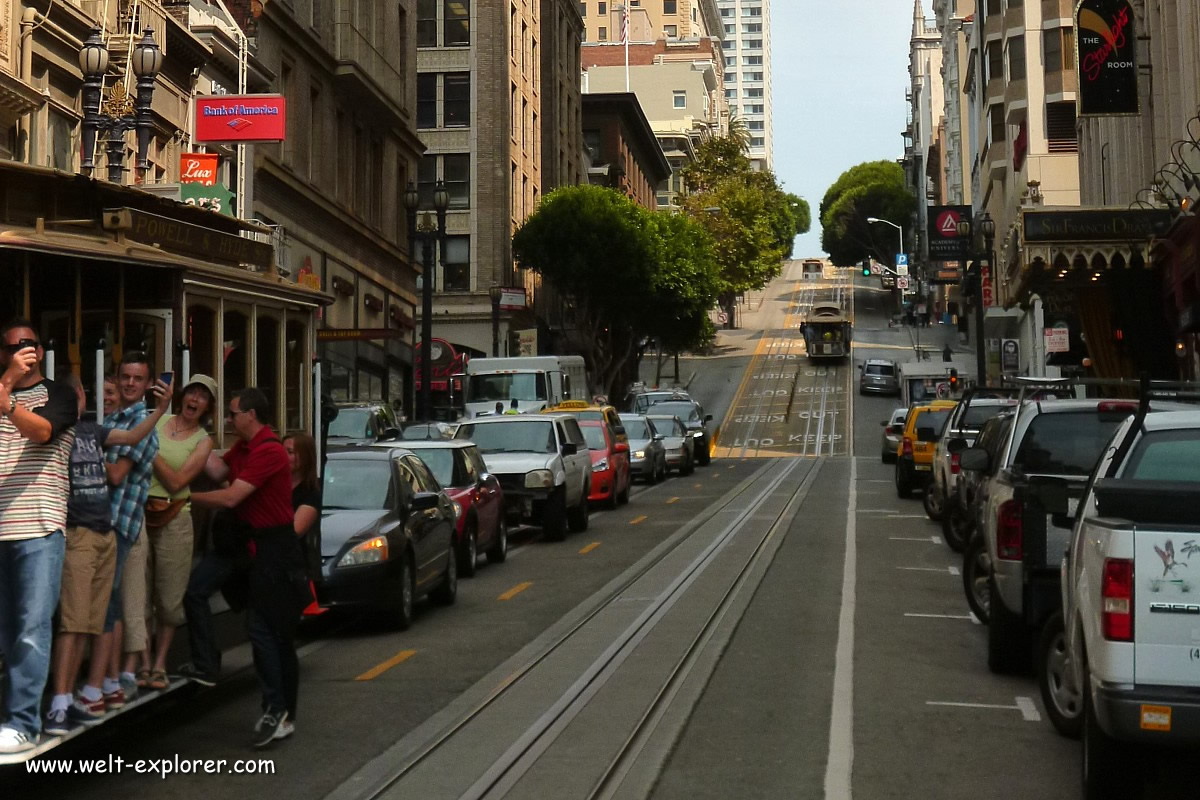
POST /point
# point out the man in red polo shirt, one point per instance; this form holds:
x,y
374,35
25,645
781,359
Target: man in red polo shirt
x,y
259,491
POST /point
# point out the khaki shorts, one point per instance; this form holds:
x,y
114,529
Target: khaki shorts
x,y
87,580
170,566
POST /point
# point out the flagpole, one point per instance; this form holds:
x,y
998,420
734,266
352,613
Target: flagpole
x,y
625,33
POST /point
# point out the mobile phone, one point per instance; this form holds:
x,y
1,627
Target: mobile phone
x,y
166,377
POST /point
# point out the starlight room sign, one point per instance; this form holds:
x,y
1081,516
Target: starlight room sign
x,y
1106,58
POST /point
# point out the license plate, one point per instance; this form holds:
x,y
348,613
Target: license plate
x,y
1156,718
924,467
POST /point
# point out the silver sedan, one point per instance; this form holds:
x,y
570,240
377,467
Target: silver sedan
x,y
647,456
893,432
679,444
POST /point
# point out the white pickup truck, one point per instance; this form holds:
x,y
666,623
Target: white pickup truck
x,y
1131,601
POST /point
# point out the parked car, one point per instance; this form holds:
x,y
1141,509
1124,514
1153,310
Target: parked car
x,y
693,416
611,476
962,428
479,501
591,412
914,458
424,431
878,376
363,424
893,432
1052,448
647,456
1125,660
679,446
387,534
977,561
641,400
543,465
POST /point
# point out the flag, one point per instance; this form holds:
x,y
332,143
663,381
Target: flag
x,y
625,25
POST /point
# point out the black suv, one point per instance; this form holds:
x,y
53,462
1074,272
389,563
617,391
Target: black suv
x,y
363,423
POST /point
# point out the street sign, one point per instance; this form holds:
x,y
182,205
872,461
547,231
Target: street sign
x,y
985,274
722,318
1010,356
902,259
943,391
902,269
902,282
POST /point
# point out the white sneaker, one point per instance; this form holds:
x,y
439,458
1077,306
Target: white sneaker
x,y
286,729
15,741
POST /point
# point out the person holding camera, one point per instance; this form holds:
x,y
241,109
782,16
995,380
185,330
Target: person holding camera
x,y
37,419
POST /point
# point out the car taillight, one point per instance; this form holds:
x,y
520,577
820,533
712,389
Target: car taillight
x,y
1116,591
955,463
907,447
1116,406
1008,531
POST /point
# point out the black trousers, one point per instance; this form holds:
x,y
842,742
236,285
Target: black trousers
x,y
278,593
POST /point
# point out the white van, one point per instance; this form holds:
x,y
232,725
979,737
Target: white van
x,y
535,382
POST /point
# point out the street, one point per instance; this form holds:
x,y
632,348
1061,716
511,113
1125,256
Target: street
x,y
778,624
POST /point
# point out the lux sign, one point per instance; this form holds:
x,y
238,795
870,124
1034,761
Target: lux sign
x,y
241,118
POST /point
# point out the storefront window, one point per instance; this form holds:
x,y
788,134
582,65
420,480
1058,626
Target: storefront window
x,y
295,375
202,339
267,352
236,362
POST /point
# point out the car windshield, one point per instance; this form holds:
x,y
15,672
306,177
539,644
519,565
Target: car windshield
x,y
1166,456
351,423
587,416
433,430
644,401
880,369
1066,443
440,463
976,416
932,419
685,411
510,437
506,387
594,436
357,484
636,428
667,426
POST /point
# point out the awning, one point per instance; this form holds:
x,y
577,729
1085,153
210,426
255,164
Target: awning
x,y
99,247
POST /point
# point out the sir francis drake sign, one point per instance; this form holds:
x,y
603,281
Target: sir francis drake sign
x,y
1106,58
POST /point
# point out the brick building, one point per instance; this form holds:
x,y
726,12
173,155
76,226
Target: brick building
x,y
623,149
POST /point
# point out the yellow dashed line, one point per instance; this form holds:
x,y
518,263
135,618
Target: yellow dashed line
x,y
638,519
379,669
673,500
516,590
589,548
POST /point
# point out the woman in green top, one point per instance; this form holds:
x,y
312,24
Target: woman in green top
x,y
183,449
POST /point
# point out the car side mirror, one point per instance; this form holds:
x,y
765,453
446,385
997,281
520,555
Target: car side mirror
x,y
956,445
974,459
658,437
569,448
884,424
621,447
619,430
423,501
389,434
708,418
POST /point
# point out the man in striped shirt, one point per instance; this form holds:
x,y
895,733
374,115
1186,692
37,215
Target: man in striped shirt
x,y
37,419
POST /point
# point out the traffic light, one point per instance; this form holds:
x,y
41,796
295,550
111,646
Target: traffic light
x,y
866,269
953,380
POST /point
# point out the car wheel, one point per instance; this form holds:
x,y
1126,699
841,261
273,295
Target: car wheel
x,y
554,515
934,502
956,525
468,548
690,465
705,458
577,517
1110,768
1063,704
1008,642
903,482
623,495
976,577
404,592
663,473
498,552
447,591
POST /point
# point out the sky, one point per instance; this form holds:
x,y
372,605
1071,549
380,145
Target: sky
x,y
840,74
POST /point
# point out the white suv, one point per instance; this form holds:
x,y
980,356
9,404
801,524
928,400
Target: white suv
x,y
543,465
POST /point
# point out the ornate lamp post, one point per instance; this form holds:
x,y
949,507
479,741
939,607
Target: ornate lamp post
x,y
429,236
117,113
985,227
496,293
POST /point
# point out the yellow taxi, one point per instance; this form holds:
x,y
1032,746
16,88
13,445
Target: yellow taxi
x,y
584,411
914,456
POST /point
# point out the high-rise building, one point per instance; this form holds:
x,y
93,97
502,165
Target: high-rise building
x,y
747,35
497,91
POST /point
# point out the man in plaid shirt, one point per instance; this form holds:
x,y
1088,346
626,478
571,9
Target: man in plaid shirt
x,y
129,471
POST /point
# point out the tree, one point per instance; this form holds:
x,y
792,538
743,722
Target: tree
x,y
594,245
872,189
685,284
802,213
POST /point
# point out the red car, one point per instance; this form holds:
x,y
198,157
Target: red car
x,y
479,502
610,464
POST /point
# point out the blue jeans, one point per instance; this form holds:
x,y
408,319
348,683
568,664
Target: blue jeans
x,y
207,578
115,611
30,579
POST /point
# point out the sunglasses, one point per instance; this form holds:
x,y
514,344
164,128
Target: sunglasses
x,y
13,349
230,414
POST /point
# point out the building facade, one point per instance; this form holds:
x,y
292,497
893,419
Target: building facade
x,y
649,21
624,153
923,163
747,72
499,111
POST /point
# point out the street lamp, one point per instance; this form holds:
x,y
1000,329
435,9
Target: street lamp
x,y
117,114
894,225
496,293
986,227
429,236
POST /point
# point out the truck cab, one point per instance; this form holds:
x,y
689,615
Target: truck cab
x,y
535,382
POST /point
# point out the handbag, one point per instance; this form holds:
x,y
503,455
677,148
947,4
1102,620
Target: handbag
x,y
160,511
